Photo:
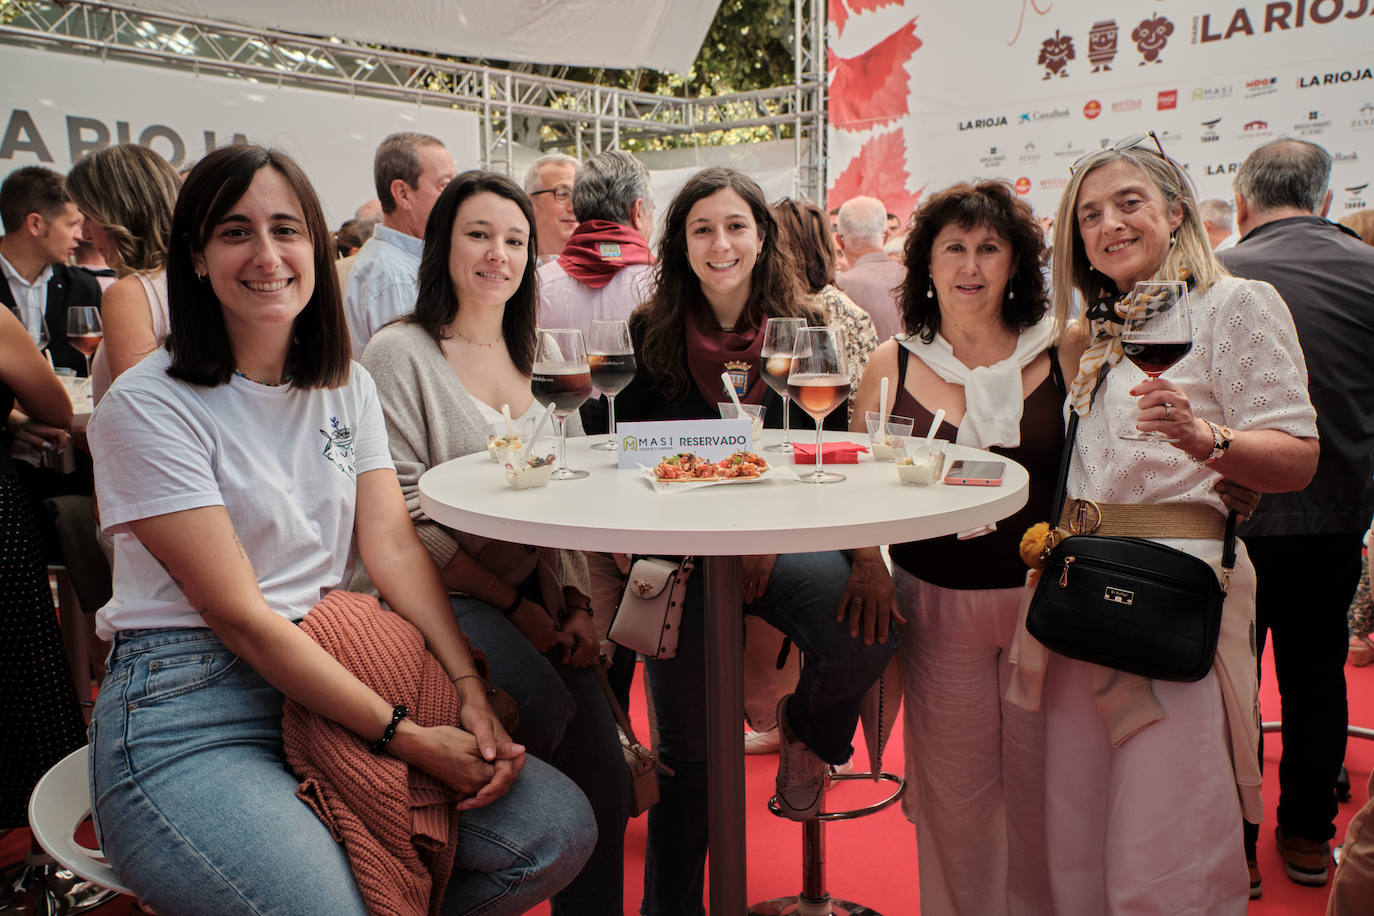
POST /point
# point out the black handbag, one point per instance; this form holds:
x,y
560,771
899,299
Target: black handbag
x,y
1128,603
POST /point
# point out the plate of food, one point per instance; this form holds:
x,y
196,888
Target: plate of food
x,y
687,468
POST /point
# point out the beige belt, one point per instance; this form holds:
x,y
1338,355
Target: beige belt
x,y
1176,520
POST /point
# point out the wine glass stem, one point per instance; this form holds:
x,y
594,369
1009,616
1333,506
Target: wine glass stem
x,y
820,460
88,364
558,425
786,420
610,401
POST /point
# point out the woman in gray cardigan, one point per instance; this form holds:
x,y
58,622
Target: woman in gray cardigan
x,y
443,374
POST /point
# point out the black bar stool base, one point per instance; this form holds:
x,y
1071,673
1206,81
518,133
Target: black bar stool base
x,y
48,890
797,906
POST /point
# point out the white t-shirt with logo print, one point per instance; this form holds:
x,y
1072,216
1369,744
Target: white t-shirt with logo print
x,y
283,462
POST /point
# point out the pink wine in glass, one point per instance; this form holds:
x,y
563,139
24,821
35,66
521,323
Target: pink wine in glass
x,y
565,386
818,395
611,372
1154,356
86,343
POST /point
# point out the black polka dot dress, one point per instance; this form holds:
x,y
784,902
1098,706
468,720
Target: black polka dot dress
x,y
40,720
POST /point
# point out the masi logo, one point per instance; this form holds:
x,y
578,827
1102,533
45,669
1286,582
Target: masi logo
x,y
980,123
1331,79
1209,131
1211,93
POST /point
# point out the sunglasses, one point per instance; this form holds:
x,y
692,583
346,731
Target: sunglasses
x,y
1131,142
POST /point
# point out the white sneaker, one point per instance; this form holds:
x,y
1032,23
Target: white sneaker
x,y
801,774
762,742
842,768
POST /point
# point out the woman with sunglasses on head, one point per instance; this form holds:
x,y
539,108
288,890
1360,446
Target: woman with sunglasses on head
x,y
239,468
721,274
1121,749
443,375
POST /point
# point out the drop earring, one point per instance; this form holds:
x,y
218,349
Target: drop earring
x,y
930,288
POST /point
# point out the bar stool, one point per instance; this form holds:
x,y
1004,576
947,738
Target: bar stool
x,y
878,715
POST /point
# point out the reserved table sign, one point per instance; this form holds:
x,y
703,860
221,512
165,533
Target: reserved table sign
x,y
646,444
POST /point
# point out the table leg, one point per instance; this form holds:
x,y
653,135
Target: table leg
x,y
725,733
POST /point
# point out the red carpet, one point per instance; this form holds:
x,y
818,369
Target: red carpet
x,y
873,860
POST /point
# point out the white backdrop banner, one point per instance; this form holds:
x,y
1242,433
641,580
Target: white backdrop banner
x,y
58,106
925,93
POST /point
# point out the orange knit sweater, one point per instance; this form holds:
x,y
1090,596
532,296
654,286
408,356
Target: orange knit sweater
x,y
399,825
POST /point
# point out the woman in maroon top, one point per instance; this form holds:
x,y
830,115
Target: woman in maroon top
x,y
977,341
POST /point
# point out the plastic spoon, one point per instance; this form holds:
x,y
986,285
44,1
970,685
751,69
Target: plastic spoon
x,y
935,425
534,437
882,412
510,424
730,390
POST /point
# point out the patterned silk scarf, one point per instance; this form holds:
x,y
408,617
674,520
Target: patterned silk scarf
x,y
1106,319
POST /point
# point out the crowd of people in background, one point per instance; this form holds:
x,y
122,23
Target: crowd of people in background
x,y
243,526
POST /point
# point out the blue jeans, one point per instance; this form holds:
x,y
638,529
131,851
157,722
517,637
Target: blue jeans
x,y
564,719
801,600
197,811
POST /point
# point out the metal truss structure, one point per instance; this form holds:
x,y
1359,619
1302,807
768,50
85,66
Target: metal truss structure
x,y
579,118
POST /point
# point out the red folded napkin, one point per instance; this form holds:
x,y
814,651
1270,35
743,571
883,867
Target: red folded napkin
x,y
832,452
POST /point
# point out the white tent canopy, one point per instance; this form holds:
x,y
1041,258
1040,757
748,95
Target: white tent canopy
x,y
658,34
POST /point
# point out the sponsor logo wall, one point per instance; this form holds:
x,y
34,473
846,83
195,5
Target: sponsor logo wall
x,y
923,94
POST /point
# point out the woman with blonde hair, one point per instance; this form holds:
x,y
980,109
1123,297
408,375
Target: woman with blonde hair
x,y
1121,747
127,193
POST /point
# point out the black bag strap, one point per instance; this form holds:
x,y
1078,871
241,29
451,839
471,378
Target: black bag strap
x,y
1061,492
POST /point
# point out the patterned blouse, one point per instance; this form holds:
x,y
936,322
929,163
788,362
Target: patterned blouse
x,y
860,338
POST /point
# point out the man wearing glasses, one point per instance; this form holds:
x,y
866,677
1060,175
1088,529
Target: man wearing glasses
x,y
549,183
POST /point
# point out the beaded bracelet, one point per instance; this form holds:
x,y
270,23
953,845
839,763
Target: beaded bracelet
x,y
397,714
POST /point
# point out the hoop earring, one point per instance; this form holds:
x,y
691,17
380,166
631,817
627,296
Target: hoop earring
x,y
930,287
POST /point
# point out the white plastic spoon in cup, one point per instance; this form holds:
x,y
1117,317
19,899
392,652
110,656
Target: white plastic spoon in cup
x,y
882,412
730,390
510,424
935,425
534,436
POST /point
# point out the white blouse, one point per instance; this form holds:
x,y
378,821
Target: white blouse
x,y
1245,370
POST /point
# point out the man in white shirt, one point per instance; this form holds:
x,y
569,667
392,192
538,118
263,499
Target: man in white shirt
x,y
604,270
1219,219
42,229
872,276
549,183
410,171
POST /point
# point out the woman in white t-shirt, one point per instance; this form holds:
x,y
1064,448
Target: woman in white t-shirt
x,y
238,468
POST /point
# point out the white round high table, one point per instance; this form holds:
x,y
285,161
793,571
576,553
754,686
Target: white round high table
x,y
618,511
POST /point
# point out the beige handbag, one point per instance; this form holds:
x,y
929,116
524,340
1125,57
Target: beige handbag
x,y
649,615
641,761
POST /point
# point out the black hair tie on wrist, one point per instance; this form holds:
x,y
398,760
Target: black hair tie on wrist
x,y
514,605
397,714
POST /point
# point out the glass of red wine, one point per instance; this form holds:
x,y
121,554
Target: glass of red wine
x,y
779,339
611,357
819,382
562,378
1157,334
84,331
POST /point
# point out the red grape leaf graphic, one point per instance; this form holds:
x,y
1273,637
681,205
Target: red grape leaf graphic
x,y
873,88
879,170
839,10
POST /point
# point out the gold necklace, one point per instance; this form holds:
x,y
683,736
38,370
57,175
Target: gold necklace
x,y
477,343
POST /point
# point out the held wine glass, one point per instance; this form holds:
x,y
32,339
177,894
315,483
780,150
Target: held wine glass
x,y
779,339
84,332
1157,334
819,382
612,360
562,377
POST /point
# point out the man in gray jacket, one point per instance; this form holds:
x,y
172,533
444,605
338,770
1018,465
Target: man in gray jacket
x,y
1306,545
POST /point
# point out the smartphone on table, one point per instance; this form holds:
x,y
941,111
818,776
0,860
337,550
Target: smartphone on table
x,y
976,473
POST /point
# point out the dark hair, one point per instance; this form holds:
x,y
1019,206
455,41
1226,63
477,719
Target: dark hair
x,y
398,156
349,238
32,189
805,231
993,204
437,302
198,342
774,287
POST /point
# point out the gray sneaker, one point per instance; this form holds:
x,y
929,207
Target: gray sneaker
x,y
801,774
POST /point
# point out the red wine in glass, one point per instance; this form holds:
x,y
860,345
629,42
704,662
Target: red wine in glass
x,y
611,372
565,386
1153,357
